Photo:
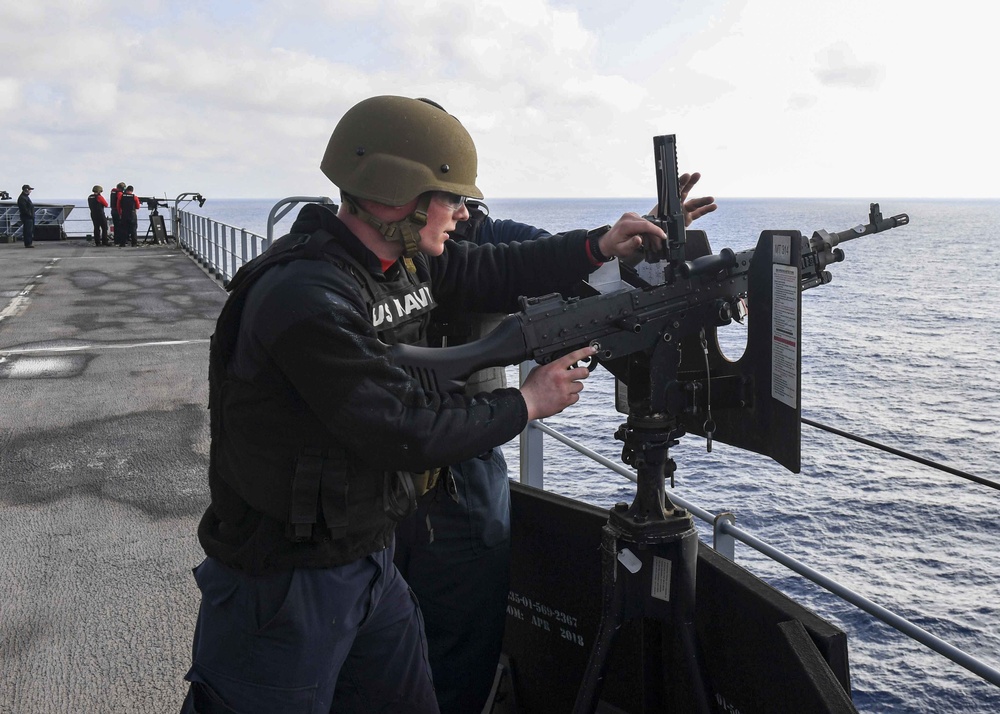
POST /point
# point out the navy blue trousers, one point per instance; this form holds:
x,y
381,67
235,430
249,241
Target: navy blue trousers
x,y
455,554
346,639
28,232
100,229
127,230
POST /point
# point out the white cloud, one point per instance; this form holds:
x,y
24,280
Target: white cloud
x,y
839,66
772,97
10,94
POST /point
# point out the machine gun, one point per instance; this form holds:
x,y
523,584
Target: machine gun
x,y
157,231
753,402
658,337
153,203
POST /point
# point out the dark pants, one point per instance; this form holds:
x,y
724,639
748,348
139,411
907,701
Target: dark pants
x,y
28,231
455,554
309,641
128,226
100,229
116,225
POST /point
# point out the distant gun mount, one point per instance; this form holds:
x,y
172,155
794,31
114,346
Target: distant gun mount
x,y
191,196
153,204
156,233
183,199
4,196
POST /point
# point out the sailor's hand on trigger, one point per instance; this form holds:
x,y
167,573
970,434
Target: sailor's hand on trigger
x,y
628,235
552,387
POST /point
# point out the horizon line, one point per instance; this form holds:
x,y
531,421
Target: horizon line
x,y
608,198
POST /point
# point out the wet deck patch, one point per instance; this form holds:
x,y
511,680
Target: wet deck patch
x,y
43,366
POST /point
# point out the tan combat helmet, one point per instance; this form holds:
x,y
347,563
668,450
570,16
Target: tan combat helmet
x,y
393,149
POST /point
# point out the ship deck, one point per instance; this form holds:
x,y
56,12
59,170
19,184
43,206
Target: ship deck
x,y
103,456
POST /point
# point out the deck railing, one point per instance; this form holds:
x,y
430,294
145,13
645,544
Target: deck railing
x,y
77,223
222,249
726,533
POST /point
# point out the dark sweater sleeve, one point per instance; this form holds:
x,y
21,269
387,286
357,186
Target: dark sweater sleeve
x,y
498,232
490,278
326,347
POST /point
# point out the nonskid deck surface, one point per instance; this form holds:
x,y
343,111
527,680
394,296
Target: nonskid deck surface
x,y
103,456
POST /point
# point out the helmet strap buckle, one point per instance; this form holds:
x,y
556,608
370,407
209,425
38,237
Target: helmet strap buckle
x,y
405,231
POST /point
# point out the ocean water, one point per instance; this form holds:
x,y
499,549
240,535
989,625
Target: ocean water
x,y
901,348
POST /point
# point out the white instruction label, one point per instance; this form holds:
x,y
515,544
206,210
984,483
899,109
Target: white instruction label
x,y
661,578
785,334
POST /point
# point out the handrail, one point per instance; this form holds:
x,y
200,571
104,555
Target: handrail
x,y
959,657
283,206
906,455
221,249
78,223
724,525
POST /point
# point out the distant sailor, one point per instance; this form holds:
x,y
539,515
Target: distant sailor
x,y
116,215
128,204
454,550
97,204
26,209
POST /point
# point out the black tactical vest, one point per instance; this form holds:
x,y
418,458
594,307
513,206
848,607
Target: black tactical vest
x,y
128,208
330,510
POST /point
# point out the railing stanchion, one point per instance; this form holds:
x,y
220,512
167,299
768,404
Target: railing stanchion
x,y
722,539
532,446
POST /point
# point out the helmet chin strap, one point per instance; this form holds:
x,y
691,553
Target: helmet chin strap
x,y
405,231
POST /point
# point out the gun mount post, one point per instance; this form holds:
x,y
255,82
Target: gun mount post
x,y
649,552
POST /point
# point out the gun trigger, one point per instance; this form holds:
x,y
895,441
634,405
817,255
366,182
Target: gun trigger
x,y
589,362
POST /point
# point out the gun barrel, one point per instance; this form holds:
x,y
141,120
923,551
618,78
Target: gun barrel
x,y
876,224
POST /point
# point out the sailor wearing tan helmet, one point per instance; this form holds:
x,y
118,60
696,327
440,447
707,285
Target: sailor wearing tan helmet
x,y
320,443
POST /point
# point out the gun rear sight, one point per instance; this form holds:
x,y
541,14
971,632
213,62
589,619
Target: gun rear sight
x,y
669,215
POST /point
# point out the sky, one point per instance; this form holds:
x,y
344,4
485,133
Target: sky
x,y
768,98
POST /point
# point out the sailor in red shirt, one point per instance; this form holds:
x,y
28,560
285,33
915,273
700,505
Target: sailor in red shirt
x,y
128,204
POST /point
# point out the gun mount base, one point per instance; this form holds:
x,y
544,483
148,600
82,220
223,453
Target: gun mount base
x,y
649,554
